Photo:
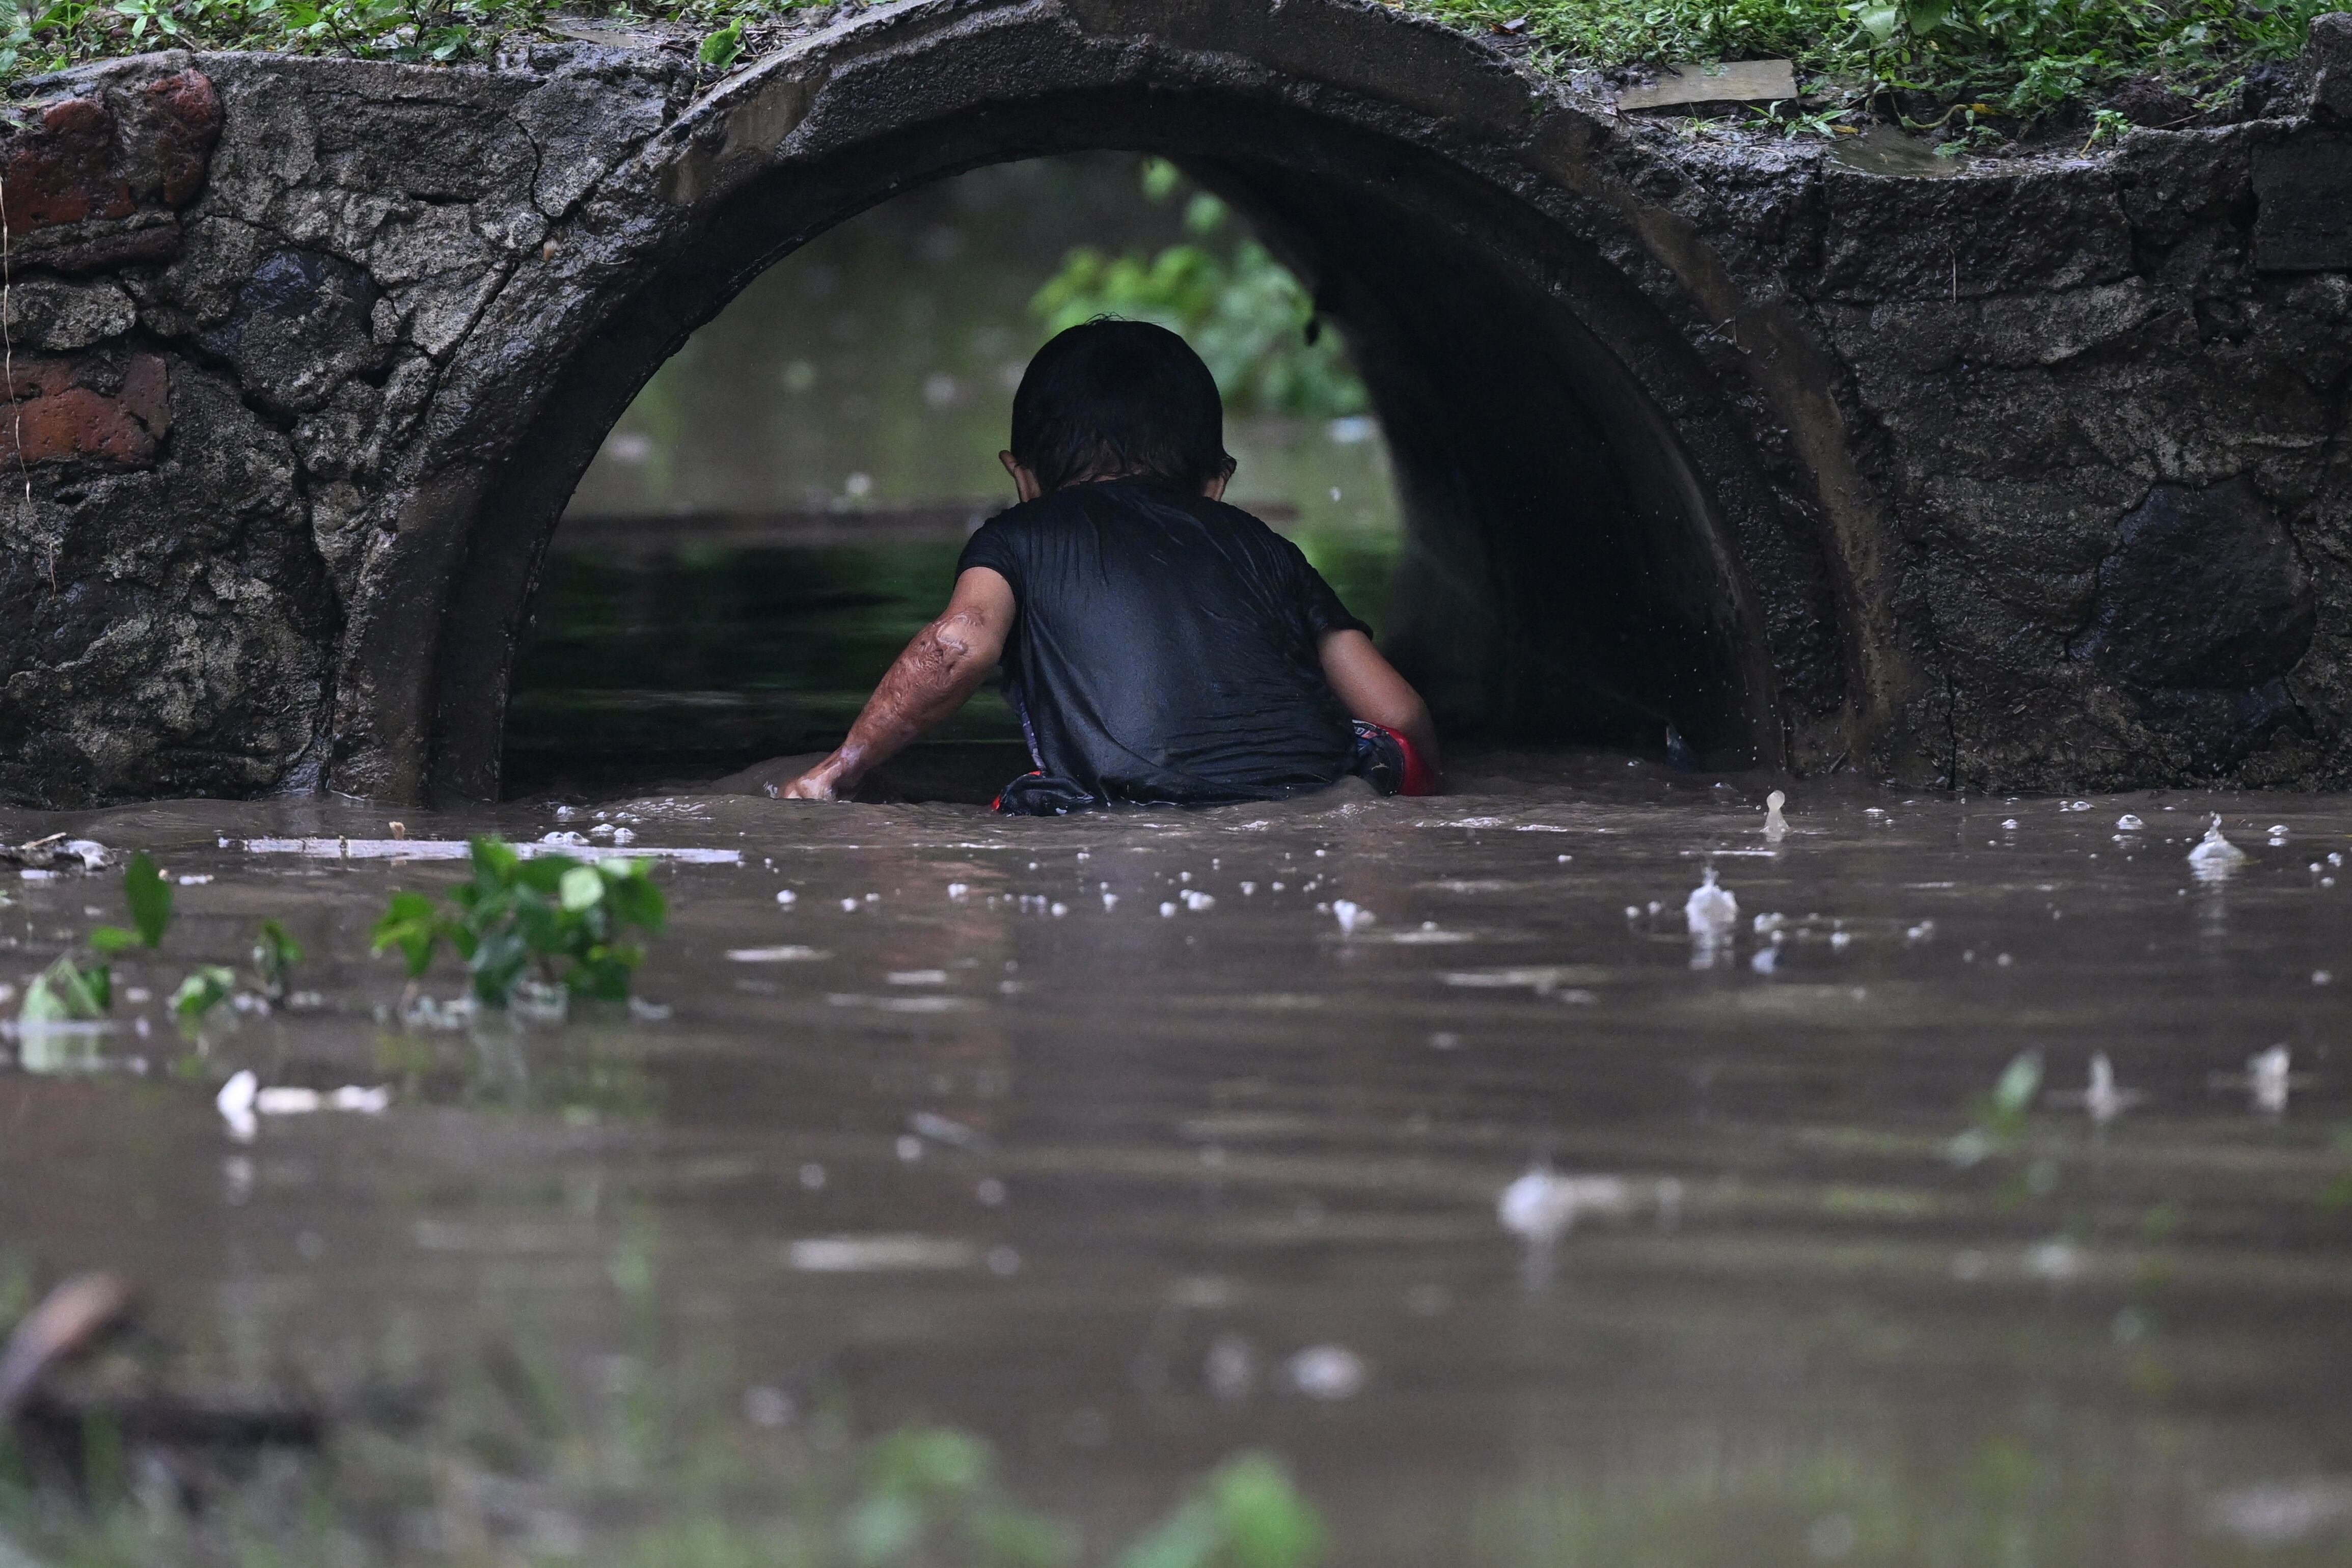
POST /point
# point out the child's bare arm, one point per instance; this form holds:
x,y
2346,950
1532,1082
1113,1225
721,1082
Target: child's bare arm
x,y
937,675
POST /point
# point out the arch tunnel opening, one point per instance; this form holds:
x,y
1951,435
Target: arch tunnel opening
x,y
1561,574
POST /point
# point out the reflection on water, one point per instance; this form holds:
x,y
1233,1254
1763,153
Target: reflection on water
x,y
783,504
1522,1241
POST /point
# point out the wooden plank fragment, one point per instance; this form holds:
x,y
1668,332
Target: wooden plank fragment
x,y
1734,81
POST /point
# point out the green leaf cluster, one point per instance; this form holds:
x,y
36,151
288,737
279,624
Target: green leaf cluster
x,y
2021,58
71,991
1242,310
551,919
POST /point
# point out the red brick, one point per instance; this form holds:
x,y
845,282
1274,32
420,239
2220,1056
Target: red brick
x,y
63,170
188,113
50,417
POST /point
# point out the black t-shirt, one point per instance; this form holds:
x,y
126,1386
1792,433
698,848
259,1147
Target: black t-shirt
x,y
1167,646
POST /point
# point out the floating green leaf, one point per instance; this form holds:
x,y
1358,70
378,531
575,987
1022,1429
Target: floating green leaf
x,y
275,954
202,992
68,992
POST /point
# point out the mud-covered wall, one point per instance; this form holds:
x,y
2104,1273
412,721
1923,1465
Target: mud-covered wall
x,y
2016,474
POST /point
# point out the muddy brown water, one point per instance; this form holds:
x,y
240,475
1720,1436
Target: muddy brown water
x,y
1128,1188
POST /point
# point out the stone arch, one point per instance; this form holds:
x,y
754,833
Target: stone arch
x,y
1628,482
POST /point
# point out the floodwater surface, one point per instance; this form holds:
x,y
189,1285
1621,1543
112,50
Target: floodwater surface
x,y
1422,1144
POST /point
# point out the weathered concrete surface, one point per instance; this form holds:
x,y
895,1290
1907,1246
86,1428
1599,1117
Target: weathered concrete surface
x,y
2030,477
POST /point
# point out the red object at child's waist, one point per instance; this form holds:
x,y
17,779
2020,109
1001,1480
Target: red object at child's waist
x,y
1418,780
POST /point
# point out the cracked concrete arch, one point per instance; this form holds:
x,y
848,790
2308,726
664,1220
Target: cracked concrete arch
x,y
1595,531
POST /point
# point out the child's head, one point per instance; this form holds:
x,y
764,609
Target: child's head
x,y
1119,399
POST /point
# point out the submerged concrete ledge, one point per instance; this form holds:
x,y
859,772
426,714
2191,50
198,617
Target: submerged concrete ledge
x,y
2020,475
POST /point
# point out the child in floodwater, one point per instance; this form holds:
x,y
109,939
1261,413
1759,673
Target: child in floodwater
x,y
1160,646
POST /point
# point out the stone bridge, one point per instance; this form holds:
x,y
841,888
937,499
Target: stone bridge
x,y
2024,473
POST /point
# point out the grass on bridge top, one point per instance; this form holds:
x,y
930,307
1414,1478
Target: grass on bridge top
x,y
2000,65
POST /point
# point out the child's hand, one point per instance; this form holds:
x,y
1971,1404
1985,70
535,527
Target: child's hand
x,y
817,784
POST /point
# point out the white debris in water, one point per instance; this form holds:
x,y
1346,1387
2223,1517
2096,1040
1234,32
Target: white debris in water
x,y
2076,806
1196,901
2055,1259
2267,1078
912,977
849,907
1775,825
1766,961
1711,910
1111,902
785,955
2280,1513
1168,912
1349,913
1765,923
235,1102
1542,1206
1059,910
2215,857
2129,823
1248,888
947,1130
1841,939
625,835
575,840
2318,977
2009,824
1326,1372
2100,1097
879,1254
243,1098
788,897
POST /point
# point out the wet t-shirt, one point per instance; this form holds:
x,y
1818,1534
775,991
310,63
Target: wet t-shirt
x,y
1167,646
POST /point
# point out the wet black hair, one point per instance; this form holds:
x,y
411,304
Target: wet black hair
x,y
1116,400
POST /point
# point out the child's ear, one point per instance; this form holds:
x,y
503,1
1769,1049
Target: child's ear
x,y
1024,482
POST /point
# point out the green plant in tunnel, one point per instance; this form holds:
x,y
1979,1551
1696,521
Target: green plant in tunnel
x,y
546,920
1243,310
